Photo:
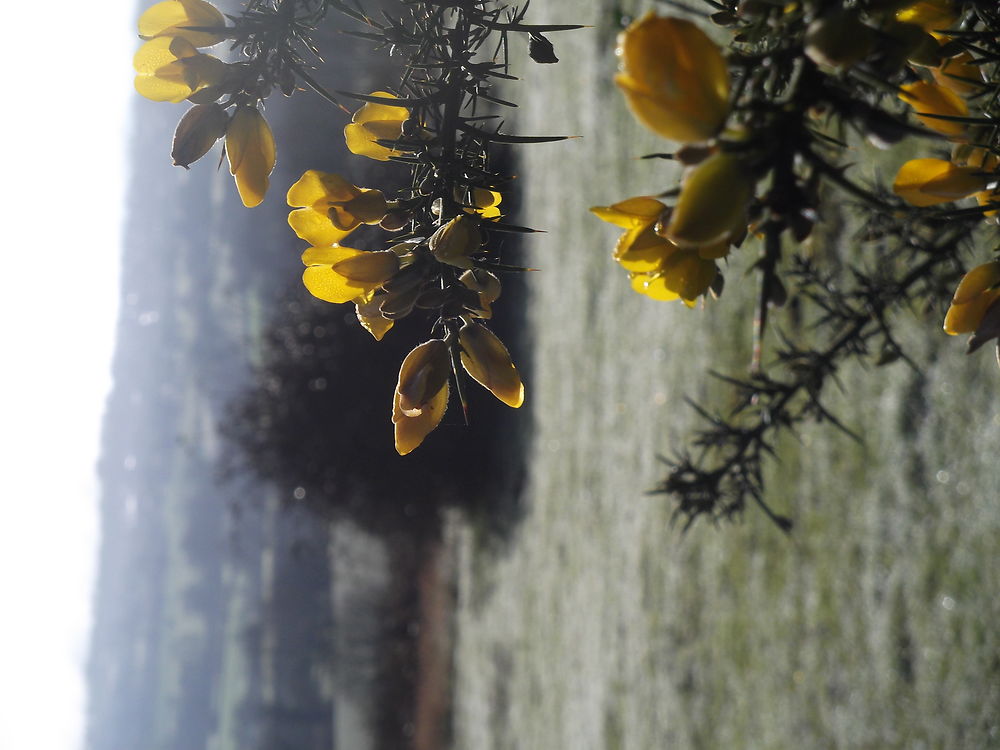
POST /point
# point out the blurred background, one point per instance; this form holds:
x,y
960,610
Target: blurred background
x,y
272,575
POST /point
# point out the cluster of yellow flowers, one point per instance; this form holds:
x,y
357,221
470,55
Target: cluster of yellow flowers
x,y
170,68
386,285
676,82
944,99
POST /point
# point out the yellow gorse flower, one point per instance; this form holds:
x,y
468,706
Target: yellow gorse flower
x,y
342,274
976,296
658,268
330,208
170,69
674,78
183,19
375,122
250,148
928,182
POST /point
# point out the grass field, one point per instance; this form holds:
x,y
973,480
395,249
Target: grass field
x,y
598,625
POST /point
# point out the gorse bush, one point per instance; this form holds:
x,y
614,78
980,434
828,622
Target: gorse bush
x,y
767,128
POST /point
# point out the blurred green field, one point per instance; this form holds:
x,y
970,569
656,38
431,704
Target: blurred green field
x,y
598,625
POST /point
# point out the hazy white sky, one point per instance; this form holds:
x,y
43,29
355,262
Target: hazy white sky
x,y
69,82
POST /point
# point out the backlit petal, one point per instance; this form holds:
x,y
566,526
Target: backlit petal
x,y
328,285
250,147
411,431
629,213
315,227
169,18
315,187
488,362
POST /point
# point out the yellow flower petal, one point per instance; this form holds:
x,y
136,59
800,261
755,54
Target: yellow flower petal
x,y
933,99
632,212
981,279
966,318
250,147
315,187
653,287
327,256
928,182
325,283
488,362
368,207
315,227
368,268
374,122
372,111
641,249
170,69
371,318
169,19
674,78
688,274
171,85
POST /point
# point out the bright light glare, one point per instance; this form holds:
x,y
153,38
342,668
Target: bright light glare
x,y
69,84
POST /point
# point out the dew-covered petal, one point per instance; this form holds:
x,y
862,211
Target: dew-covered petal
x,y
315,227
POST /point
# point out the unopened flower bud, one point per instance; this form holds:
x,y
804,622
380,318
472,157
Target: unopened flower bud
x,y
713,202
488,362
394,221
456,241
197,132
839,40
541,50
424,372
